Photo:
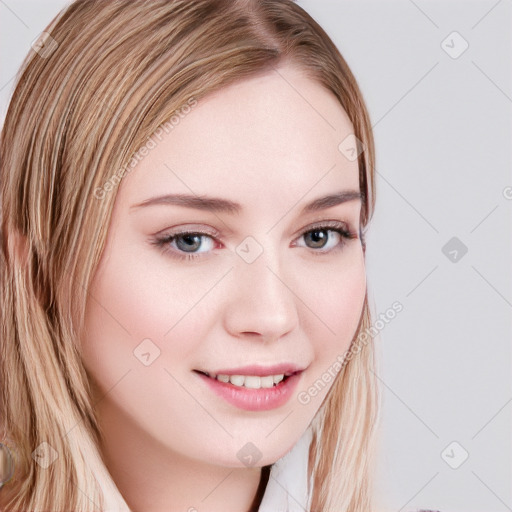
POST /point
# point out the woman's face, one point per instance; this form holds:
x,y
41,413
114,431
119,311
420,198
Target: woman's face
x,y
253,286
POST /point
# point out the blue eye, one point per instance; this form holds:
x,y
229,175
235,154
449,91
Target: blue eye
x,y
184,245
189,242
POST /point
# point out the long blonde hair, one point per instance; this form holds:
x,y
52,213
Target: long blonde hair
x,y
108,75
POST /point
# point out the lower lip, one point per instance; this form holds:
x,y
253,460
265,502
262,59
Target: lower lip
x,y
263,399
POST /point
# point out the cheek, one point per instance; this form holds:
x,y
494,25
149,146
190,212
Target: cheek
x,y
141,331
336,298
335,295
140,300
132,311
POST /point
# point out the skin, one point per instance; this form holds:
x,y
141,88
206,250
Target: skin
x,y
170,443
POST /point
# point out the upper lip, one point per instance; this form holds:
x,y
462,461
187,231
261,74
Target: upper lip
x,y
259,370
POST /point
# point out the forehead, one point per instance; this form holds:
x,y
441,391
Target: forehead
x,y
269,138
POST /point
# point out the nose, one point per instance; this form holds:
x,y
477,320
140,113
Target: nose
x,y
262,301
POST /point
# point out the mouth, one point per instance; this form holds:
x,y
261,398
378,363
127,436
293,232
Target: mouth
x,y
251,381
254,376
254,388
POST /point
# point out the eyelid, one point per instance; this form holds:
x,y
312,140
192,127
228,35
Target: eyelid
x,y
188,228
339,224
191,228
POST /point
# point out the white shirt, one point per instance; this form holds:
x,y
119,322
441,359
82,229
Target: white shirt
x,y
287,489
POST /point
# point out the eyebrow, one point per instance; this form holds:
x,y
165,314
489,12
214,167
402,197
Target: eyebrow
x,y
219,205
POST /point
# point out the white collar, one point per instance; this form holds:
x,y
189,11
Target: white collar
x,y
287,489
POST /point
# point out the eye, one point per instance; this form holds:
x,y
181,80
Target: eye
x,y
185,245
329,236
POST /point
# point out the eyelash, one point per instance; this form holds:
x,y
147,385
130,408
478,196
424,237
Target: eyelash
x,y
334,226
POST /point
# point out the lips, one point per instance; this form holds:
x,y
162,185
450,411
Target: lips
x,y
254,388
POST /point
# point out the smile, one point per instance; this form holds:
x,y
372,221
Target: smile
x,y
252,392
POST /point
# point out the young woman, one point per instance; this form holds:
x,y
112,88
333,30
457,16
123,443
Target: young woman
x,y
185,188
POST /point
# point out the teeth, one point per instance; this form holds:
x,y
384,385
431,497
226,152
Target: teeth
x,y
237,380
277,378
250,381
266,382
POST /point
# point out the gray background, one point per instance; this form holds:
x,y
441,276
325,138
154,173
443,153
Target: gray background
x,y
443,136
